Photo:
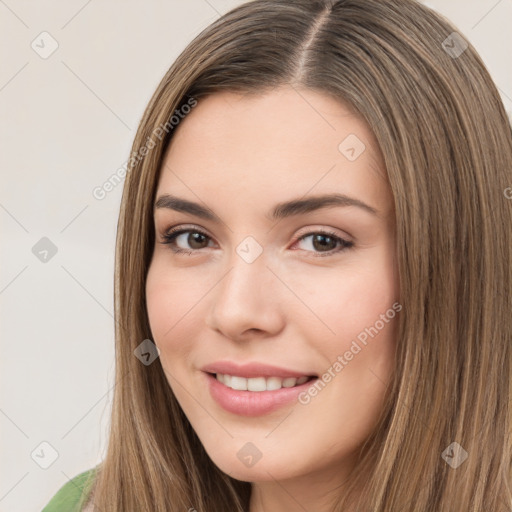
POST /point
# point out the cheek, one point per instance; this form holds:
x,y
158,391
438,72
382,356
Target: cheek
x,y
355,330
170,305
349,299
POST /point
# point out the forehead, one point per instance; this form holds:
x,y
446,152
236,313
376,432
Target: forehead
x,y
254,149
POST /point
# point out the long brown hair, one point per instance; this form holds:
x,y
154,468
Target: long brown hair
x,y
447,147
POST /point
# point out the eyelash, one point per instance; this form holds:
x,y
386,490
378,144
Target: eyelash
x,y
171,235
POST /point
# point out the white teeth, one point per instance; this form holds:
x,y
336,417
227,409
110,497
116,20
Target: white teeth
x,y
259,383
256,384
273,383
289,382
238,383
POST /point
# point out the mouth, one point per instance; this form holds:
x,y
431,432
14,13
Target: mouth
x,y
258,384
256,396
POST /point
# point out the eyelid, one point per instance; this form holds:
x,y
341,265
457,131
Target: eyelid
x,y
315,228
304,231
185,227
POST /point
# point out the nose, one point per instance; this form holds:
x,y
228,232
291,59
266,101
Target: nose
x,y
247,301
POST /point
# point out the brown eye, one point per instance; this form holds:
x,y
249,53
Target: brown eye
x,y
195,240
326,242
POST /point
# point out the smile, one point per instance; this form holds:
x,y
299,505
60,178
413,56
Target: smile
x,y
260,383
255,396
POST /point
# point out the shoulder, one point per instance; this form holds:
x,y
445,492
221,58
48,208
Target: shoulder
x,y
69,495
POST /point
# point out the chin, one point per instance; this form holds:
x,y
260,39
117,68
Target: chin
x,y
263,470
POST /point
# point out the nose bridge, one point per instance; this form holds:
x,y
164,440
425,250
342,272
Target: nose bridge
x,y
246,296
247,272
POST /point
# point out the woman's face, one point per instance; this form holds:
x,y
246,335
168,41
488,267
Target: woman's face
x,y
263,292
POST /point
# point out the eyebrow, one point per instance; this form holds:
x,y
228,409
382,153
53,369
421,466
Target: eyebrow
x,y
280,211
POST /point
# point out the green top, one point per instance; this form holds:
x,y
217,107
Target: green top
x,y
68,496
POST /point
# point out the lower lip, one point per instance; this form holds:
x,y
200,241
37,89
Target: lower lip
x,y
253,403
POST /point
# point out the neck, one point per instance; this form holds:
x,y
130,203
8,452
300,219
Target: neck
x,y
317,491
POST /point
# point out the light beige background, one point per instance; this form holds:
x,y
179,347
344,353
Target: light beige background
x,y
67,123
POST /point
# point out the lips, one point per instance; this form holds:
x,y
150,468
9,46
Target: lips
x,y
252,403
223,377
254,369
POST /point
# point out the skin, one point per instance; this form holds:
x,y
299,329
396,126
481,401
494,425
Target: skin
x,y
240,155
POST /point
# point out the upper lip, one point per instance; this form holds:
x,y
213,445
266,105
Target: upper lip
x,y
253,369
